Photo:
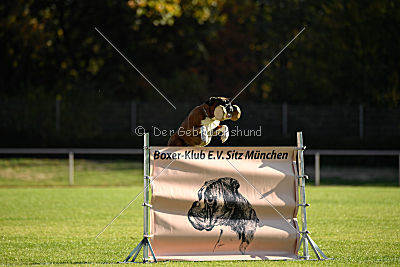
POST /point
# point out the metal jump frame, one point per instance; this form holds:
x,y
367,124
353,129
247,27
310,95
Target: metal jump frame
x,y
145,243
305,238
305,234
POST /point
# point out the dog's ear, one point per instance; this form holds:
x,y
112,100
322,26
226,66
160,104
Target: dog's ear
x,y
211,101
230,195
236,113
234,184
231,183
226,100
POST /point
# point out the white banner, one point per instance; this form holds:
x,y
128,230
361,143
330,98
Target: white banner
x,y
225,203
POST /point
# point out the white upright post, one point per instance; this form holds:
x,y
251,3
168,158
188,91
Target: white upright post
x,y
71,167
146,161
303,204
317,169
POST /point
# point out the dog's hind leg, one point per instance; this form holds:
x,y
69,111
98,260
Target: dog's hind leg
x,y
247,236
244,244
176,140
219,239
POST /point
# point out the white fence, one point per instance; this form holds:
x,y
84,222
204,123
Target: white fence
x,y
71,153
134,151
328,152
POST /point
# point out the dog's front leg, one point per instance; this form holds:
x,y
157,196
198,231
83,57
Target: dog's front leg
x,y
205,137
222,130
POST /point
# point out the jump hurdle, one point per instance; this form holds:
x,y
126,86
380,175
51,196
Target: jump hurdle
x,y
220,203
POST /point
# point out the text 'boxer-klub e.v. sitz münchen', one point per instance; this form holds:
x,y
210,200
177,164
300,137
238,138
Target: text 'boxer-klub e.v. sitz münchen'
x,y
203,122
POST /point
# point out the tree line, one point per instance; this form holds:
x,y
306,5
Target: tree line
x,y
191,49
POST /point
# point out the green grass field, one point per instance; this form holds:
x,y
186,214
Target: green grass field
x,y
353,225
54,172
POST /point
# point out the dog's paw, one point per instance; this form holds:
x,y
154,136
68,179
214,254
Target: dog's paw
x,y
203,133
243,246
225,133
205,137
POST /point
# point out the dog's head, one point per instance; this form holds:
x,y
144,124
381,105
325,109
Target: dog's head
x,y
217,199
222,108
